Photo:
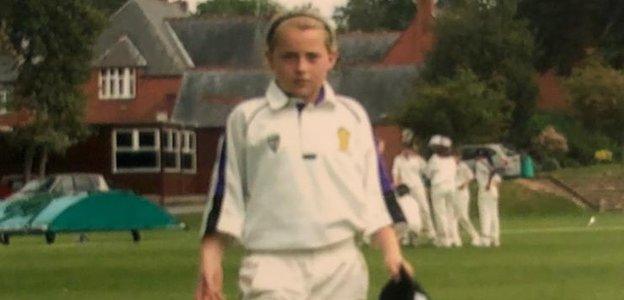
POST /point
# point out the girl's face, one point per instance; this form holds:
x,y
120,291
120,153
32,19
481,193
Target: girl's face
x,y
300,61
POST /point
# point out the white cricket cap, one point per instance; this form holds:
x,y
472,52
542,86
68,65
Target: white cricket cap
x,y
446,142
435,140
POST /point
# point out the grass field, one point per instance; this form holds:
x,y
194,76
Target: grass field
x,y
548,252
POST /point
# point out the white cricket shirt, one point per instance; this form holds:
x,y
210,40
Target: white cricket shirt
x,y
442,171
408,170
299,179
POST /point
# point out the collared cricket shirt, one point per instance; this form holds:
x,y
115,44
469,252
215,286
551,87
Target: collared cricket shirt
x,y
297,176
409,170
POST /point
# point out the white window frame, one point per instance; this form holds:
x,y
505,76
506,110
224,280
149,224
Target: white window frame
x,y
186,148
4,101
136,148
170,147
110,81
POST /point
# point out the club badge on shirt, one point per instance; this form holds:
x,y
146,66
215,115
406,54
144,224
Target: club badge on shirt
x,y
273,141
343,139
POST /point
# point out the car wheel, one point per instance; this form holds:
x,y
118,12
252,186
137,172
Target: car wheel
x,y
136,235
4,239
50,237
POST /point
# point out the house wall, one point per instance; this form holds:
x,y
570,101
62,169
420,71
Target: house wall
x,y
552,95
390,134
95,155
153,95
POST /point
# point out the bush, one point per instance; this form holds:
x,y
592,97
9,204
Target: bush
x,y
582,143
597,94
603,155
550,164
568,162
550,142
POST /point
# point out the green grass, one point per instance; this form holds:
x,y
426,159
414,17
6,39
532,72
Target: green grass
x,y
548,252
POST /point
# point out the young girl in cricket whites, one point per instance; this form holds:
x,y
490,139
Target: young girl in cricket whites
x,y
298,182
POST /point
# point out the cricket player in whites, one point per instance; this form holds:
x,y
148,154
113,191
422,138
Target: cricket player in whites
x,y
441,170
488,181
408,168
461,205
297,181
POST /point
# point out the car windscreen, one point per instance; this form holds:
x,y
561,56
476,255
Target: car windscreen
x,y
38,185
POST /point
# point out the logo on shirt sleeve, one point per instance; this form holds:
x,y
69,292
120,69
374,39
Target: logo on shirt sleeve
x,y
273,141
343,139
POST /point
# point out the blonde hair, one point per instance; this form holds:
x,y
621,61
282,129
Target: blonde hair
x,y
302,20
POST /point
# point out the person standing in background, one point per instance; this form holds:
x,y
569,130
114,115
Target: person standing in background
x,y
488,181
461,205
441,170
408,169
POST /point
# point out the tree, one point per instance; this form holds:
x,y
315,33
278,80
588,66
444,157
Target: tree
x,y
488,39
53,41
238,7
462,107
612,35
597,94
373,15
563,30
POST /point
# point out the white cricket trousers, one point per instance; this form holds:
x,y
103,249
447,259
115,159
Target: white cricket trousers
x,y
335,272
411,212
489,219
442,201
425,211
460,217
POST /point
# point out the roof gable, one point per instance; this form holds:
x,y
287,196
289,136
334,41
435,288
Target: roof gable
x,y
122,53
144,23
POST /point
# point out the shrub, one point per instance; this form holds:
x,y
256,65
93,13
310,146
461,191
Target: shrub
x,y
603,155
550,142
550,164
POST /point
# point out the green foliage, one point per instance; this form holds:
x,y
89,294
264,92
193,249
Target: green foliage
x,y
463,107
612,36
53,42
564,30
375,15
597,93
550,164
582,143
238,7
495,45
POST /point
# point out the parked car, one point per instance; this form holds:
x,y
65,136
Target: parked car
x,y
503,158
10,184
62,184
78,203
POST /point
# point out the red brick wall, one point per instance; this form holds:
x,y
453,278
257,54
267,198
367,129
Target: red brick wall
x,y
391,136
552,95
153,94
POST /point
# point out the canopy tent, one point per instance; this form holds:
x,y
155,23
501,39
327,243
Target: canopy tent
x,y
83,212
